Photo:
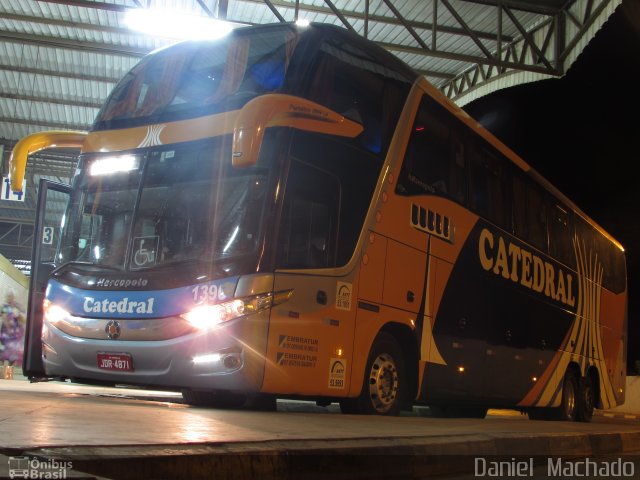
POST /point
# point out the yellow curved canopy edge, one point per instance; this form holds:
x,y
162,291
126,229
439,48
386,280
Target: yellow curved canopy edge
x,y
34,143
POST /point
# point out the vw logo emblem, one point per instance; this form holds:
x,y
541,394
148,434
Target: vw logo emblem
x,y
113,330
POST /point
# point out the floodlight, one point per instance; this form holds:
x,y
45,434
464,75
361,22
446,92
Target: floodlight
x,y
175,24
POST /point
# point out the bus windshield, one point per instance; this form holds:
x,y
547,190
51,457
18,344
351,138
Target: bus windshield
x,y
199,78
168,206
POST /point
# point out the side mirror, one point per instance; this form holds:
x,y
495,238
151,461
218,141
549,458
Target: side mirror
x,y
278,110
34,143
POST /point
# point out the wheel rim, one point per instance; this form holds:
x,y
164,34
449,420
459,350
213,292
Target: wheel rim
x,y
570,400
383,383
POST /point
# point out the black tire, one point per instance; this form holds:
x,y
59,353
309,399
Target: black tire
x,y
568,409
586,399
385,384
223,400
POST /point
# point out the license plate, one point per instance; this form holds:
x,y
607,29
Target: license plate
x,y
119,362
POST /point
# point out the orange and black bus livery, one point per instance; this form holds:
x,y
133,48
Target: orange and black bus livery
x,y
293,212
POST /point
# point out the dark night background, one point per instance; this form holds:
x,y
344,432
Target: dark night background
x,y
582,133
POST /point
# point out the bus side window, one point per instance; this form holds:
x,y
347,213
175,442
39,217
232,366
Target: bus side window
x,y
459,166
351,82
520,220
529,213
605,255
435,158
537,216
560,235
488,187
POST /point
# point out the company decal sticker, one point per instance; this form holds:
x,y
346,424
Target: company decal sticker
x,y
124,283
519,265
138,304
337,373
108,305
290,342
286,359
297,351
343,296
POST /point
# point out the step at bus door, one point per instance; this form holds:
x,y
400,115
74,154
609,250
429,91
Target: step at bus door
x,y
52,203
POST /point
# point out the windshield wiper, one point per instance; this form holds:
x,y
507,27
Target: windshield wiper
x,y
92,264
173,263
189,262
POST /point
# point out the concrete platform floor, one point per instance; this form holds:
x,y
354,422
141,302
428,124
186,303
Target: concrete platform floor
x,y
126,433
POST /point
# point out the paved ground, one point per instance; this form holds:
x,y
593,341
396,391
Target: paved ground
x,y
124,433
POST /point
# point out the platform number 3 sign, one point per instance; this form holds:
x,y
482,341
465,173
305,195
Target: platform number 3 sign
x,y
47,235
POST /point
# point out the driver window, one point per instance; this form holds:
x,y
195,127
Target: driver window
x,y
309,218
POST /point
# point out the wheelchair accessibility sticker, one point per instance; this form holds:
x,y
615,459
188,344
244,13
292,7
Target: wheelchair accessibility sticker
x,y
145,250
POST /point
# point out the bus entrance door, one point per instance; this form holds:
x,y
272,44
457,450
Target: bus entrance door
x,y
52,203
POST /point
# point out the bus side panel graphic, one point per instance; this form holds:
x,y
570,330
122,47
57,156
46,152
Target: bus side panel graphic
x,y
507,337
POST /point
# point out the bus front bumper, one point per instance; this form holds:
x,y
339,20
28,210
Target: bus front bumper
x,y
228,357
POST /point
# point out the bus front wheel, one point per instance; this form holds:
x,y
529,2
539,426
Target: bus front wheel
x,y
384,381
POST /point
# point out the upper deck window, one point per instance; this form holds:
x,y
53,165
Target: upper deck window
x,y
351,81
199,78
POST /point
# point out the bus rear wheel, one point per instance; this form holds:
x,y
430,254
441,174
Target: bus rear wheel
x,y
586,399
384,380
568,409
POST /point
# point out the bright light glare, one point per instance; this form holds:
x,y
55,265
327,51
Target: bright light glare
x,y
210,358
207,316
302,22
54,313
231,240
109,165
175,24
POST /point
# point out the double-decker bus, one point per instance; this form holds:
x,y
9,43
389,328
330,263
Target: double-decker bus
x,y
294,212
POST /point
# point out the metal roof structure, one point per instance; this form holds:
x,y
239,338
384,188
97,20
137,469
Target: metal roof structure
x,y
59,59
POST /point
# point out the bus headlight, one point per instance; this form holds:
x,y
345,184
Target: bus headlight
x,y
53,313
203,317
206,316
